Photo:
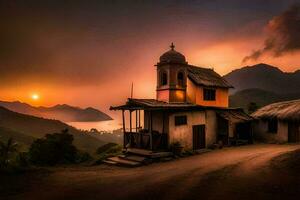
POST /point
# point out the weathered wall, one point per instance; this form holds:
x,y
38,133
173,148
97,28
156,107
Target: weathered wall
x,y
163,95
157,121
177,95
261,132
194,94
184,133
231,129
211,128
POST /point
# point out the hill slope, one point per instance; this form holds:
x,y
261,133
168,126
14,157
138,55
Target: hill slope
x,y
25,128
63,112
258,96
265,77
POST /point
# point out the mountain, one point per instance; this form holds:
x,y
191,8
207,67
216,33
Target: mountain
x,y
63,112
265,77
260,97
25,128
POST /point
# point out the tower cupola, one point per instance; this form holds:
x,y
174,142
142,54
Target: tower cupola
x,y
171,76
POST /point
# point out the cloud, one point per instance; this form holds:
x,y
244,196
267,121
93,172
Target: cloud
x,y
283,35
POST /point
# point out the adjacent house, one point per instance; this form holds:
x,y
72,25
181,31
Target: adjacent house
x,y
278,122
191,107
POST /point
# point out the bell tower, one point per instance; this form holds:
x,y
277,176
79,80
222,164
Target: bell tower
x,y
171,77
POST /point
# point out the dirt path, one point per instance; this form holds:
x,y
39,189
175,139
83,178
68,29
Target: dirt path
x,y
231,173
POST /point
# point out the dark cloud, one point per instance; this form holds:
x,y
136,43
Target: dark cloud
x,y
283,34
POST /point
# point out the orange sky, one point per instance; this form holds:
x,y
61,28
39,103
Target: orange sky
x,y
88,54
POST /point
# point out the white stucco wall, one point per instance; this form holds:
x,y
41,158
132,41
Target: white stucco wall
x,y
184,133
261,132
210,128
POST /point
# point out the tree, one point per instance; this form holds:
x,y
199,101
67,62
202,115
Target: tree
x,y
6,151
56,148
252,107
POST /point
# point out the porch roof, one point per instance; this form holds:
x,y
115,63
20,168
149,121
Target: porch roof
x,y
153,104
235,115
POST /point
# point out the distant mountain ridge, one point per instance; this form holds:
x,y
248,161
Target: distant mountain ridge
x,y
25,128
265,77
261,97
262,84
62,112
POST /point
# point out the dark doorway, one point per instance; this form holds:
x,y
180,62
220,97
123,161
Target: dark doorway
x,y
243,131
223,130
198,137
293,131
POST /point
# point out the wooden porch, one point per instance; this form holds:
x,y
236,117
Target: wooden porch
x,y
143,137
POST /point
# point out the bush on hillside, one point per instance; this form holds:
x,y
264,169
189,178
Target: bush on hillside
x,y
252,107
107,148
7,152
22,160
56,148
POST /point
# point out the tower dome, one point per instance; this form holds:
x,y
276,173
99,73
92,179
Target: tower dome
x,y
172,56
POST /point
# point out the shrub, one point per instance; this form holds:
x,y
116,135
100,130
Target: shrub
x,y
56,148
7,151
22,160
84,157
107,147
252,107
108,150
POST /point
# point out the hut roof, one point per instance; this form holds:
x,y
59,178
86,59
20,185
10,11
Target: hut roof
x,y
234,115
207,77
287,110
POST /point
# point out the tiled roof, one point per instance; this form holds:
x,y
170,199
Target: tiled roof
x,y
207,77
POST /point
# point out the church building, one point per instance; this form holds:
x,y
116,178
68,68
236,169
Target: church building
x,y
191,108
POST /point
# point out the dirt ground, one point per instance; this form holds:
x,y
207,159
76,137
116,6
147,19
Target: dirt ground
x,y
247,172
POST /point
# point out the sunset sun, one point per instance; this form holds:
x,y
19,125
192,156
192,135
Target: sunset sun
x,y
35,97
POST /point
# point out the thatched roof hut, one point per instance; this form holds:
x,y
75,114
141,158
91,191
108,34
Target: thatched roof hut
x,y
287,111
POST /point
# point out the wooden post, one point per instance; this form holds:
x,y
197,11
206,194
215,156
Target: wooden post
x,y
130,127
124,129
163,125
141,134
136,121
139,118
130,121
151,135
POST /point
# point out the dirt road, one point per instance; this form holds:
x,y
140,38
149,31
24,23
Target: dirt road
x,y
231,173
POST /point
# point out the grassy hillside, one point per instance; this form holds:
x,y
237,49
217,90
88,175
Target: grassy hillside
x,y
260,97
24,141
24,128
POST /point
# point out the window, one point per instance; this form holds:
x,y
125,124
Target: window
x,y
163,78
272,125
180,78
209,94
180,120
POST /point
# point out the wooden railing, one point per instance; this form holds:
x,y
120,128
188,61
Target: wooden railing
x,y
143,140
